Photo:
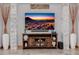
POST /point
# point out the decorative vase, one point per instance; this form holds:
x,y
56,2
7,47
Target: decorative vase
x,y
5,41
72,40
53,44
25,44
54,38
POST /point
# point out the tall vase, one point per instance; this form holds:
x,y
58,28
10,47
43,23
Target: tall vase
x,y
5,9
5,38
5,41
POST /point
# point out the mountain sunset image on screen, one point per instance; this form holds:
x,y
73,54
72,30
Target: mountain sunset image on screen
x,y
39,21
41,16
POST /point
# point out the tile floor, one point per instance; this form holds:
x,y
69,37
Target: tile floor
x,y
39,52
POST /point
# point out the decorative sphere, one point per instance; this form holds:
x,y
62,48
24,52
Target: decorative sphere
x,y
25,37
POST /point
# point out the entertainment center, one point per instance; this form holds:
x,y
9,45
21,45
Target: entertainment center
x,y
43,40
39,31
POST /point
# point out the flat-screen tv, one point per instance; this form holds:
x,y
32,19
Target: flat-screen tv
x,y
39,21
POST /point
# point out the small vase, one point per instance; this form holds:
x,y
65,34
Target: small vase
x,y
72,40
53,43
5,41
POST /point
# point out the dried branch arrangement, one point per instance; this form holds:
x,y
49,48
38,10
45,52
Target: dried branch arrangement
x,y
5,10
73,10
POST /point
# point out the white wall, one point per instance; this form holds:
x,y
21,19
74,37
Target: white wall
x,y
25,8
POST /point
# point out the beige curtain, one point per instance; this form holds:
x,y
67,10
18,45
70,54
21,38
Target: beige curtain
x,y
73,9
5,10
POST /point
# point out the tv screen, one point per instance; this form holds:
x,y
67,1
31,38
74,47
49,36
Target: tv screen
x,y
39,21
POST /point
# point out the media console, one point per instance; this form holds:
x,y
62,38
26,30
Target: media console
x,y
40,40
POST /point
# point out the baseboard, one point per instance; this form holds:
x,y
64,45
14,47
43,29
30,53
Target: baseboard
x,y
19,47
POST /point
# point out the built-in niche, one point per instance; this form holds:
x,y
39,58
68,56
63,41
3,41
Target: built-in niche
x,y
39,6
